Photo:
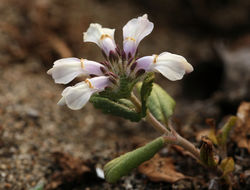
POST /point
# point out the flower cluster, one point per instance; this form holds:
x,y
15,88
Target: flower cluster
x,y
120,66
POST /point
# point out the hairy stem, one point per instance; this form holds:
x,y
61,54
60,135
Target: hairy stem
x,y
156,124
150,118
170,135
136,102
184,143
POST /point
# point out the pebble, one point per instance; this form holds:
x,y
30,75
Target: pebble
x,y
32,112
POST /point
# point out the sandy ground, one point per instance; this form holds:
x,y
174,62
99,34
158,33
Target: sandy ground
x,y
41,142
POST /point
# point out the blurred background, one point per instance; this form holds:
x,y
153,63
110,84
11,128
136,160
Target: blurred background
x,y
39,141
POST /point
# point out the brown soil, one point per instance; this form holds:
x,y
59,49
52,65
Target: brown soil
x,y
41,142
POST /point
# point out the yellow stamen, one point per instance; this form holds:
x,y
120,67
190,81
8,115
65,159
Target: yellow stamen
x,y
104,36
89,83
82,63
155,59
130,38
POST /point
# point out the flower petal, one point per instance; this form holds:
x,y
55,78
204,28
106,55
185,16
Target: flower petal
x,y
65,70
134,31
61,102
172,66
92,67
99,83
77,96
103,37
172,73
145,63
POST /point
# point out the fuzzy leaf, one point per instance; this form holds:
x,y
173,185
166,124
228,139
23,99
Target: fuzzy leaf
x,y
160,104
146,89
122,90
124,164
123,108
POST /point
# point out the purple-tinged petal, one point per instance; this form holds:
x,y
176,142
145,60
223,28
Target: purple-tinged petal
x,y
65,70
129,47
145,63
92,67
134,31
98,83
103,37
170,65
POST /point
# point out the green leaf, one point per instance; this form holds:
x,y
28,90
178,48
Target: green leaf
x,y
123,108
223,134
124,164
146,89
160,104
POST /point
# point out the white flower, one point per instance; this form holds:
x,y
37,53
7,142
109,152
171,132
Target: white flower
x,y
65,70
120,65
103,37
170,65
75,97
134,31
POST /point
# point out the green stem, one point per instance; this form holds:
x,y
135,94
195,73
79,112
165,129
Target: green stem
x,y
150,118
136,102
170,136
